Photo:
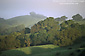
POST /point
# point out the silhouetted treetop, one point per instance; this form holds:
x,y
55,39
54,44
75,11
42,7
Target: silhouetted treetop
x,y
77,17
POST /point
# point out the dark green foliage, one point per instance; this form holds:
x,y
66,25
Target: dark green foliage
x,y
69,48
27,30
63,18
72,54
67,36
70,32
58,53
13,40
9,42
78,50
0,52
69,23
77,17
57,19
51,32
82,53
83,30
47,24
82,46
44,31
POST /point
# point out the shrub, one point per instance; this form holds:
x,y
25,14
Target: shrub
x,y
78,50
72,54
82,46
82,53
69,48
0,52
57,53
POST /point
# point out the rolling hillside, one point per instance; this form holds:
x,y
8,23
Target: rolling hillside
x,y
46,50
27,20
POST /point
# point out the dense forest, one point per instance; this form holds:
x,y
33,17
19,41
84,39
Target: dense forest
x,y
57,31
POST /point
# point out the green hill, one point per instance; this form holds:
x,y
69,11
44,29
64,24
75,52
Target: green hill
x,y
27,20
3,23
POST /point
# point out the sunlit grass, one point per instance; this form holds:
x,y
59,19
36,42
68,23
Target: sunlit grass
x,y
43,50
47,46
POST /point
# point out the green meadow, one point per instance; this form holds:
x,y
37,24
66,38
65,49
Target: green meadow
x,y
45,50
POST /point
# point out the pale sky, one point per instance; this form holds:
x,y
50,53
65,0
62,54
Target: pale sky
x,y
51,8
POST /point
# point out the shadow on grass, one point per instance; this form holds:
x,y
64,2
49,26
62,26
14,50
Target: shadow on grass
x,y
13,53
35,51
38,51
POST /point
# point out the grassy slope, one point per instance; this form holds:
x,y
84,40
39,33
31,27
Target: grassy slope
x,y
43,50
27,20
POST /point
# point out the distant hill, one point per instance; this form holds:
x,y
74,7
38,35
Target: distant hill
x,y
27,20
9,30
3,23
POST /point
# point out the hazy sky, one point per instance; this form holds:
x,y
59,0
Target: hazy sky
x,y
55,8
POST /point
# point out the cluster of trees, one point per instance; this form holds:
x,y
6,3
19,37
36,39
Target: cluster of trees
x,y
69,33
77,17
15,40
48,31
63,18
44,31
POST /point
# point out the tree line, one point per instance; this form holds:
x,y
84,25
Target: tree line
x,y
48,31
